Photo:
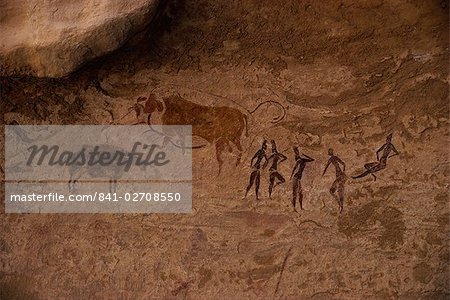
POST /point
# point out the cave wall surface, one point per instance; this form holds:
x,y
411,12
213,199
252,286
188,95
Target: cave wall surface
x,y
348,73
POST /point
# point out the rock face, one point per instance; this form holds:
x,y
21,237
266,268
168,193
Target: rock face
x,y
348,73
51,38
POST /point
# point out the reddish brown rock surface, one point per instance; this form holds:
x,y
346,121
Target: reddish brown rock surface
x,y
348,73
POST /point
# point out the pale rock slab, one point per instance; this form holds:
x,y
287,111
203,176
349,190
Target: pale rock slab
x,y
51,38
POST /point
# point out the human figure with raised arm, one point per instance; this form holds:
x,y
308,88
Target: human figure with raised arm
x,y
276,159
341,178
296,176
255,176
381,163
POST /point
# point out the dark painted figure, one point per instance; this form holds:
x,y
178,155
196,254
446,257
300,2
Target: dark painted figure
x,y
255,176
381,163
300,164
276,158
341,178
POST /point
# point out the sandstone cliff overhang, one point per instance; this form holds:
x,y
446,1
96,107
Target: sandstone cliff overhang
x,y
52,38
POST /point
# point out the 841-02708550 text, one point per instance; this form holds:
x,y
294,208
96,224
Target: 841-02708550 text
x,y
100,197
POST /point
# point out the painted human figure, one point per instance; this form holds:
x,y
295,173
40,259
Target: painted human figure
x,y
381,162
300,164
255,176
276,158
341,178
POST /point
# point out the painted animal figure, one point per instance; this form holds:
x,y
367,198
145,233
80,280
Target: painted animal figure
x,y
111,173
221,126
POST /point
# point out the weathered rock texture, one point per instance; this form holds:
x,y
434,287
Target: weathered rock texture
x,y
51,38
348,73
